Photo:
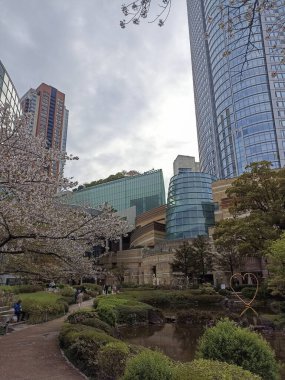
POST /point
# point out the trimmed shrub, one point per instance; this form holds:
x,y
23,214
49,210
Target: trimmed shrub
x,y
113,310
80,315
149,365
112,360
43,306
81,345
211,370
235,345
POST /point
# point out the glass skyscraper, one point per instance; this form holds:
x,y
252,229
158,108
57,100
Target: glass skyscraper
x,y
144,191
8,92
239,87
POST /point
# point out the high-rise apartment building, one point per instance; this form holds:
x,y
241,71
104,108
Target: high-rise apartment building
x,y
48,114
239,87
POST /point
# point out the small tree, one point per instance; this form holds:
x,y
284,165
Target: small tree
x,y
185,260
193,259
276,265
229,343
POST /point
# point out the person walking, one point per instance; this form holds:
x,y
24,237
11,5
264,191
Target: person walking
x,y
79,298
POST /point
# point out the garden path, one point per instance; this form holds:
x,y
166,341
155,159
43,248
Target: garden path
x,y
33,353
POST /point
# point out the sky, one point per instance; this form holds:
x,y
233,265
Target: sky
x,y
129,91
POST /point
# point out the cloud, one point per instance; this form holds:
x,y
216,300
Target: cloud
x,y
129,91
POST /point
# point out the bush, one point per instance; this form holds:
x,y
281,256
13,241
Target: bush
x,y
235,345
262,294
80,315
17,289
149,365
67,291
81,345
113,310
211,370
196,316
112,360
89,317
43,306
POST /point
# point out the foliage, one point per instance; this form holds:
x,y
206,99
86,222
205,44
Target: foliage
x,y
81,344
193,259
196,316
276,265
114,309
149,365
257,204
249,292
112,177
172,299
42,306
235,345
89,317
112,360
40,236
211,370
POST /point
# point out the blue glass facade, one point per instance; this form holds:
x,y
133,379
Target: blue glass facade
x,y
190,207
145,191
242,119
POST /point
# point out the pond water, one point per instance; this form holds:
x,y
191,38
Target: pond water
x,y
179,341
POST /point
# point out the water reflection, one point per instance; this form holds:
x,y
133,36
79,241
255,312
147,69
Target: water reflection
x,y
177,341
180,341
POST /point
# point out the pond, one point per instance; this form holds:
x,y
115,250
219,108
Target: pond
x,y
179,341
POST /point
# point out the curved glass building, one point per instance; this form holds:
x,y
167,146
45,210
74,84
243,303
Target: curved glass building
x,y
190,207
239,87
8,93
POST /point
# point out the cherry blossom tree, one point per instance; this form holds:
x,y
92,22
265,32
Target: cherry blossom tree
x,y
39,234
238,18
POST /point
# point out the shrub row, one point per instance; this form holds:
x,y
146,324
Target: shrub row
x,y
18,289
176,299
150,365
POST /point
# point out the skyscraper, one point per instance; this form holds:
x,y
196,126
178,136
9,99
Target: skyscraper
x,y
48,117
48,114
239,87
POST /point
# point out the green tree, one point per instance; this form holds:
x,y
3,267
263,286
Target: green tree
x,y
238,238
260,191
203,255
229,343
258,209
276,265
193,259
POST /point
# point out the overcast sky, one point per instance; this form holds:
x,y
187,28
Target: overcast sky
x,y
129,92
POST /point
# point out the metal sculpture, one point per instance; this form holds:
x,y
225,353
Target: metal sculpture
x,y
248,305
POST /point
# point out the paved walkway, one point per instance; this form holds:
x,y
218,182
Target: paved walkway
x,y
33,353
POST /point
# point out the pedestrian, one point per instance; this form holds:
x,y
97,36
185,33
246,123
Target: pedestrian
x,y
80,298
76,294
18,310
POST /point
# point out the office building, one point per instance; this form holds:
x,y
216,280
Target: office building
x,y
239,88
185,162
190,207
143,192
8,92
